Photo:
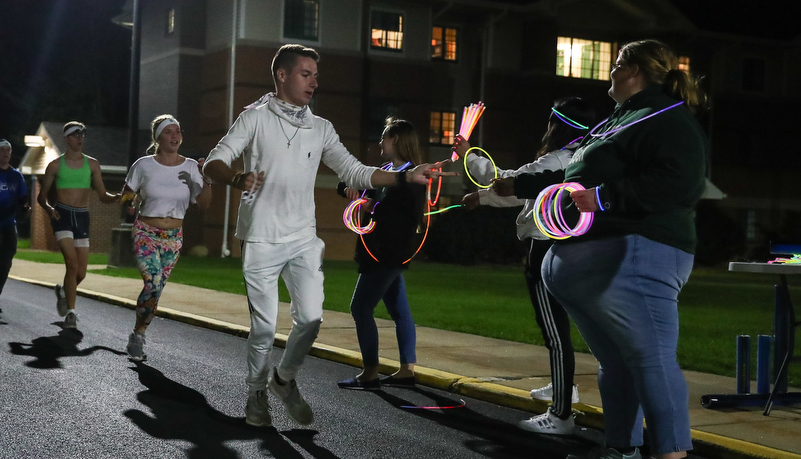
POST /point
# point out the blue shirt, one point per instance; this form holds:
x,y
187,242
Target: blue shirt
x,y
12,190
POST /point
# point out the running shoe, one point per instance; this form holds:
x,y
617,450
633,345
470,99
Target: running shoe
x,y
71,320
548,423
602,452
546,393
61,301
257,411
288,393
136,347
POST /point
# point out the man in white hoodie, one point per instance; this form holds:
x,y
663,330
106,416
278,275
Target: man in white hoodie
x,y
282,144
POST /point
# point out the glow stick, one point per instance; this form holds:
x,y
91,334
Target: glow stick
x,y
446,407
548,216
468,172
470,116
443,210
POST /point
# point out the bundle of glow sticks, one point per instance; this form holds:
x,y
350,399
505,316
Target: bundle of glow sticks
x,y
470,116
787,261
547,212
352,219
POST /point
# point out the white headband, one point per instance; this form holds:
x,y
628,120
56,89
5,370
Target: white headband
x,y
5,143
163,125
72,129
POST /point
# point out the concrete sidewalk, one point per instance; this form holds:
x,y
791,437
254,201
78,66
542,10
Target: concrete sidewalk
x,y
489,369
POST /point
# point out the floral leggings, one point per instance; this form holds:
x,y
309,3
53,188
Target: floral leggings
x,y
156,251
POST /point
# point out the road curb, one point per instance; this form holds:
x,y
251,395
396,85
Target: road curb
x,y
705,443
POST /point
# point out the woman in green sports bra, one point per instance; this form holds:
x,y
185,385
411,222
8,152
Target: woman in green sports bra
x,y
73,175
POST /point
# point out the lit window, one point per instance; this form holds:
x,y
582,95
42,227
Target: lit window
x,y
443,43
171,21
684,63
301,19
386,31
583,58
442,127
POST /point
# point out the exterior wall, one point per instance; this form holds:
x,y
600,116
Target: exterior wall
x,y
103,218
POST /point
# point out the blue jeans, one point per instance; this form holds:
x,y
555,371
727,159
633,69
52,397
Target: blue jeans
x,y
387,285
622,293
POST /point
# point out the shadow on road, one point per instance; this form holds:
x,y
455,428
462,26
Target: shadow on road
x,y
498,439
182,413
49,349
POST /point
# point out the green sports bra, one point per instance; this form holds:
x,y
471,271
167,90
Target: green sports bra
x,y
74,178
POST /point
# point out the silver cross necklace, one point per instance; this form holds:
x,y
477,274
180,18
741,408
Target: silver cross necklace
x,y
288,139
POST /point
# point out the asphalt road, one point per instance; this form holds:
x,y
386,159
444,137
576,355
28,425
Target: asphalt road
x,y
73,393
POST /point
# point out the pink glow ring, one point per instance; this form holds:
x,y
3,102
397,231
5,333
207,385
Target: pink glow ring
x,y
352,219
548,216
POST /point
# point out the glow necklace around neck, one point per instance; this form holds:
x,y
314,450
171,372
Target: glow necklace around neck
x,y
572,123
593,134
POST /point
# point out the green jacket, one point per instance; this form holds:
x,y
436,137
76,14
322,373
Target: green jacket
x,y
650,174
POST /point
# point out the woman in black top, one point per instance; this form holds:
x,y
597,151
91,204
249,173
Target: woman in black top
x,y
383,254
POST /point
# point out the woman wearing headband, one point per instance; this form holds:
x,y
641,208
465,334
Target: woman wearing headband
x,y
72,176
568,122
164,183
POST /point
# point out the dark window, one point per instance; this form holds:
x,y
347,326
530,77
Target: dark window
x,y
386,31
753,74
301,19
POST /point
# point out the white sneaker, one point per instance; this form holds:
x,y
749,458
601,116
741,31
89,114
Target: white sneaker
x,y
71,321
546,393
257,411
136,347
288,393
61,300
602,452
548,423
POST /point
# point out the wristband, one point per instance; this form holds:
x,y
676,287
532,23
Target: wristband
x,y
236,178
598,199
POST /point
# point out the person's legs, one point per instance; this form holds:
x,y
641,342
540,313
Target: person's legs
x,y
8,248
625,306
157,252
554,324
303,276
72,264
261,265
370,286
398,308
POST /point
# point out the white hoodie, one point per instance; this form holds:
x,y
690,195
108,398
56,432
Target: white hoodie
x,y
283,208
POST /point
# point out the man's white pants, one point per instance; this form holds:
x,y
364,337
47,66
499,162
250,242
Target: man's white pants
x,y
300,264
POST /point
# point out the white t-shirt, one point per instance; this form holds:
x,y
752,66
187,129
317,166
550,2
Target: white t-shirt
x,y
165,191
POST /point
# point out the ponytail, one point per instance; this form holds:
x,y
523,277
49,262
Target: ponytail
x,y
683,86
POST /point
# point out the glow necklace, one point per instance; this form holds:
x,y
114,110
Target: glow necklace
x,y
577,139
548,216
592,132
572,123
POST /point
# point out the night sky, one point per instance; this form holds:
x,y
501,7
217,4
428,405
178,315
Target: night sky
x,y
65,59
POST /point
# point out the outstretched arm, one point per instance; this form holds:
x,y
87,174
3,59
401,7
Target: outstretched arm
x,y
99,186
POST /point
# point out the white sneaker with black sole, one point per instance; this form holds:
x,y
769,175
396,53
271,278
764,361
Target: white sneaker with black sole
x,y
288,393
548,423
546,393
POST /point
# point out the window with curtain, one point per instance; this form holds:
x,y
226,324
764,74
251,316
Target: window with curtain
x,y
386,31
579,58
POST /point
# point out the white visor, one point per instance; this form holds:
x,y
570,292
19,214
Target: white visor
x,y
5,143
72,129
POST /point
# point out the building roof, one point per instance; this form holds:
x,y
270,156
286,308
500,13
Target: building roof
x,y
109,145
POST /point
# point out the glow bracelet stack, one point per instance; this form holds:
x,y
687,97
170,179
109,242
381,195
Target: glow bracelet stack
x,y
548,216
470,116
787,261
352,219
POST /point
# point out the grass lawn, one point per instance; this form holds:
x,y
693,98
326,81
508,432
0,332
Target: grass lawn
x,y
715,305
